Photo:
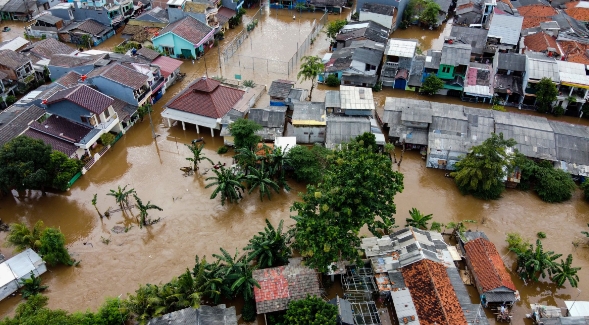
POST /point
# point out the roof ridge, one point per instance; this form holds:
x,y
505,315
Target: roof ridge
x,y
431,277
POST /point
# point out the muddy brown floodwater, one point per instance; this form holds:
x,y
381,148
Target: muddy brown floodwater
x,y
192,224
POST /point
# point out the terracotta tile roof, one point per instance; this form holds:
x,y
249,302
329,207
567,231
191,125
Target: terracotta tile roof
x,y
280,285
12,59
536,14
206,97
487,265
224,14
540,42
83,96
63,128
575,51
432,294
69,79
123,109
189,29
580,14
56,143
49,47
121,75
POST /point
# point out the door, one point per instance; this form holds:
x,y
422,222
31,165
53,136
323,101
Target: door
x,y
187,53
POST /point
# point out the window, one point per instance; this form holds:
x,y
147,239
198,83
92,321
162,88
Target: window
x,y
106,113
85,119
446,69
168,50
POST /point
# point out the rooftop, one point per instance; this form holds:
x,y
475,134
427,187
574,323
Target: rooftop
x,y
455,54
534,135
120,74
511,61
12,60
367,29
487,265
188,28
479,78
89,26
83,96
475,37
507,28
572,74
401,47
72,61
147,52
308,113
56,143
204,315
541,42
62,128
572,142
342,129
378,8
15,120
280,88
540,66
167,65
356,98
69,79
535,14
48,47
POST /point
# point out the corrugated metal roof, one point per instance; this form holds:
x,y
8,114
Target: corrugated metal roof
x,y
455,54
571,72
507,28
533,134
401,47
332,98
572,142
540,66
14,44
308,113
511,61
356,98
342,129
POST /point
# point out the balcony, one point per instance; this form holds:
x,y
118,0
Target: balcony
x,y
109,124
211,12
157,84
27,79
143,95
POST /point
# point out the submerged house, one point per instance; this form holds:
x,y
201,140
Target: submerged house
x,y
342,129
454,63
491,278
538,66
17,67
448,136
363,30
19,268
120,81
308,123
87,32
574,86
185,38
45,26
355,65
272,120
408,121
510,70
398,61
383,14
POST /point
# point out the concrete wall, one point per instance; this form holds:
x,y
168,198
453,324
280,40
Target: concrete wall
x,y
99,15
400,5
70,111
304,136
114,89
178,43
386,21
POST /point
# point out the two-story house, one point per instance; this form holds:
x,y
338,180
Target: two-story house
x,y
155,78
504,33
538,66
510,69
574,85
61,64
122,82
17,67
398,60
357,64
454,64
86,33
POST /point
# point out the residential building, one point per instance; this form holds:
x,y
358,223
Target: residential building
x,y
7,87
170,69
399,9
534,14
475,37
204,315
504,33
21,10
510,70
541,42
184,38
572,148
109,15
203,103
454,62
408,121
17,67
295,280
342,129
443,12
491,278
579,11
574,86
61,64
46,49
223,16
117,80
15,120
478,84
146,53
87,32
235,5
308,123
281,92
45,26
155,17
538,66
272,119
155,78
386,15
416,76
362,30
355,65
16,44
15,270
448,136
398,60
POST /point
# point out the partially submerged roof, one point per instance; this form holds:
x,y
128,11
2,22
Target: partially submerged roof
x,y
401,47
271,116
507,28
342,129
511,61
83,96
487,266
188,28
378,8
356,98
89,26
50,19
16,119
204,315
533,134
475,37
280,88
455,54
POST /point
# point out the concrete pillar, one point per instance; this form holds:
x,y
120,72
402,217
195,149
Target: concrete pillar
x,y
169,123
197,129
212,133
571,92
183,126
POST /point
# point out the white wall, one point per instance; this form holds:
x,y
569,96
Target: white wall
x,y
386,21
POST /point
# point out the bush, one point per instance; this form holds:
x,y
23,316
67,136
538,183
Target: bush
x,y
558,111
52,247
10,100
585,188
516,242
541,235
312,310
308,163
249,83
248,312
222,150
332,80
554,185
107,139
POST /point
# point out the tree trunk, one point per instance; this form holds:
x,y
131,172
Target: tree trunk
x,y
100,214
311,91
402,152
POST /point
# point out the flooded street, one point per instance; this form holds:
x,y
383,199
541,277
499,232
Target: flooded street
x,y
192,224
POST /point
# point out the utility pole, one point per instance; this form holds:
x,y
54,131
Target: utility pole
x,y
153,135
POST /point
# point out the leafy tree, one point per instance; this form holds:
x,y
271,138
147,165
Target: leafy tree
x,y
546,93
332,80
32,286
10,100
333,28
516,243
121,195
563,271
244,133
197,154
228,184
259,178
429,16
23,165
527,168
21,237
585,188
308,163
431,85
481,172
269,248
248,312
143,208
237,275
311,67
311,311
418,219
535,262
554,185
62,169
368,140
357,187
144,110
52,247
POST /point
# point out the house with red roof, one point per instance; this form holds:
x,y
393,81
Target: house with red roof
x,y
123,82
203,103
185,38
491,278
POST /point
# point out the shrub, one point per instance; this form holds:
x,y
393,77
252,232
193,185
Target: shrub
x,y
222,150
541,235
585,188
332,80
107,139
558,111
249,83
516,242
10,100
248,313
377,87
554,185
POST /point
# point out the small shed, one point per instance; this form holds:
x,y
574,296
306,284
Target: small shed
x,y
309,122
342,129
272,120
19,268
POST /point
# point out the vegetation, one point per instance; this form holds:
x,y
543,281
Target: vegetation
x,y
558,111
237,275
546,93
357,187
121,196
143,214
260,178
429,16
368,140
48,242
564,271
197,154
227,182
30,164
244,133
552,185
222,150
144,110
248,312
311,311
236,20
249,83
431,85
585,188
534,263
86,40
516,243
129,45
270,247
308,163
107,139
541,235
418,219
32,286
94,201
334,27
332,80
10,99
311,67
436,226
481,172
21,237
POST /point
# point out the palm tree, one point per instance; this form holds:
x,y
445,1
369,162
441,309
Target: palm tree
x,y
310,69
535,262
94,199
279,159
145,304
247,158
260,178
144,221
121,195
236,274
269,248
418,220
205,279
197,154
21,237
563,271
228,184
31,286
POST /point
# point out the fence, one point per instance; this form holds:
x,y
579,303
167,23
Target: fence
x,y
235,44
259,64
74,179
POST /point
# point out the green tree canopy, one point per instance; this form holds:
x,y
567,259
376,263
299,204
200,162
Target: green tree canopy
x,y
52,247
333,28
429,16
197,154
357,190
24,165
368,140
270,247
308,164
244,133
310,311
481,172
21,237
62,169
554,185
431,85
534,262
311,67
546,93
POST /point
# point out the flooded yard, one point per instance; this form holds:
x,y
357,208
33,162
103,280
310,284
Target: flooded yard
x,y
192,224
